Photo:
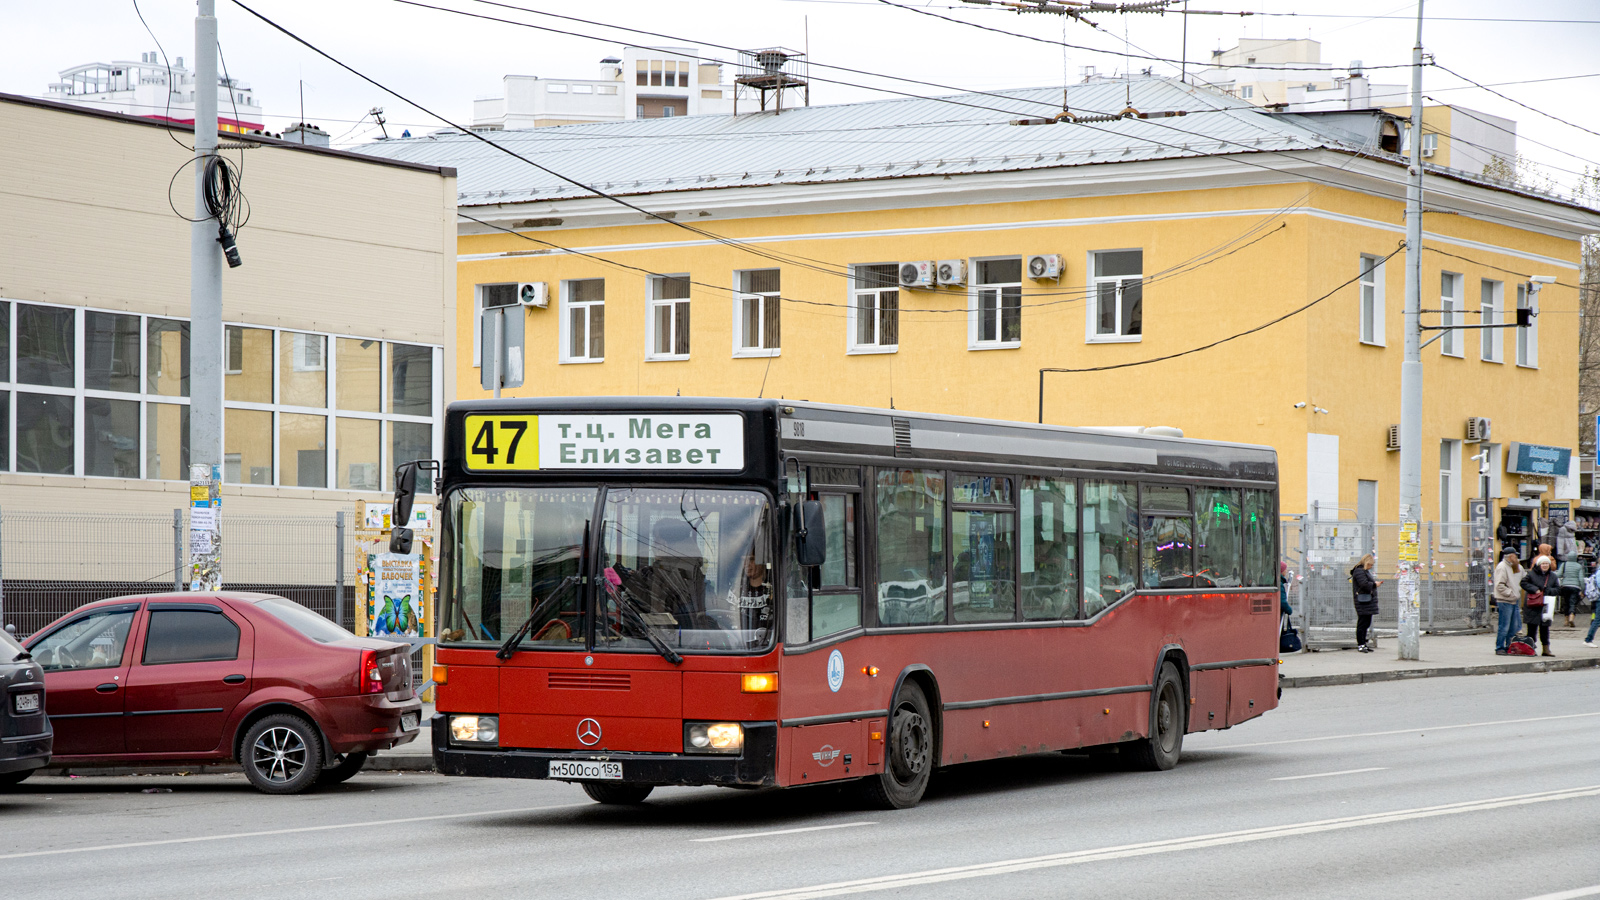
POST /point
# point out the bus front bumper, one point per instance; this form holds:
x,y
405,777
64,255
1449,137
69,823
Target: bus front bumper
x,y
755,767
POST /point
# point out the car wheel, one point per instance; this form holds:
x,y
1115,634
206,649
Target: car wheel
x,y
12,779
909,761
1160,751
346,766
282,754
617,794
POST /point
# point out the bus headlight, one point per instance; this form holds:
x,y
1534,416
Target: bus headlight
x,y
713,737
475,729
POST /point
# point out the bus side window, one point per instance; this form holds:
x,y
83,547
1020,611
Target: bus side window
x,y
796,597
836,604
1260,534
1110,543
910,536
1049,546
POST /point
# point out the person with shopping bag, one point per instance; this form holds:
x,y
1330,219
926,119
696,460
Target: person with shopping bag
x,y
1507,592
1540,589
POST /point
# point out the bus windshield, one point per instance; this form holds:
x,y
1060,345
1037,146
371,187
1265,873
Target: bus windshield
x,y
691,565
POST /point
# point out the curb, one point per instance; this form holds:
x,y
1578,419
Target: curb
x,y
407,763
1542,665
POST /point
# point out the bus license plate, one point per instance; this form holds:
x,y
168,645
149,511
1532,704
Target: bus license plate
x,y
574,770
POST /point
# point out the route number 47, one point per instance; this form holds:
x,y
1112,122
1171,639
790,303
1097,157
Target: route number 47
x,y
502,442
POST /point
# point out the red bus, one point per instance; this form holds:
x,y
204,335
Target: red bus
x,y
689,591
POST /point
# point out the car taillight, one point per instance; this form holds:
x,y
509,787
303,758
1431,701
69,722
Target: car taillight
x,y
371,677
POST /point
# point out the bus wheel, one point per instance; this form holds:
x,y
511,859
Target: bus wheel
x,y
617,794
910,757
1161,749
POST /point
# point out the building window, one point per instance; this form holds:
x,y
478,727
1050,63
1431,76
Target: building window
x,y
995,311
874,315
1527,338
671,77
1449,490
583,320
1247,92
1430,144
1116,308
667,328
1450,314
642,77
757,313
1490,295
638,111
1371,300
583,89
668,111
555,88
487,296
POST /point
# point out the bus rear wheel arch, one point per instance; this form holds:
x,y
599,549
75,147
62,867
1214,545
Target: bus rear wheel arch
x,y
1169,713
910,755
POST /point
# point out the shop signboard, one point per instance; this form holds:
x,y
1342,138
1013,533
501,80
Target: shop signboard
x,y
1537,459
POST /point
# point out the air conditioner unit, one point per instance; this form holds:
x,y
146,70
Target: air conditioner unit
x,y
1394,438
917,274
534,294
1477,429
1044,265
952,271
1427,151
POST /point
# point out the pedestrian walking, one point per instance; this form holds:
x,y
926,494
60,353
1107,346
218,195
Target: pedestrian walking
x,y
1365,591
1507,593
1567,541
1539,587
1570,574
1591,593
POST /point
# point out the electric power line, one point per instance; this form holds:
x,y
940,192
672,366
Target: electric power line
x,y
1517,102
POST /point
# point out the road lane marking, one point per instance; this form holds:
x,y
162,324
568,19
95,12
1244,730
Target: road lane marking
x,y
1573,894
303,830
1329,774
756,834
1125,851
1359,734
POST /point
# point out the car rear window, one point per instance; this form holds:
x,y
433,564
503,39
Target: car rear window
x,y
303,620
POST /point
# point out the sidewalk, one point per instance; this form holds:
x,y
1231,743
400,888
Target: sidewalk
x,y
1442,655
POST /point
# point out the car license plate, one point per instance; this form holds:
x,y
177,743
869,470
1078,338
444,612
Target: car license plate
x,y
408,722
573,770
25,703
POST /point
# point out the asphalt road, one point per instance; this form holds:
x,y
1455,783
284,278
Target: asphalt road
x,y
1461,788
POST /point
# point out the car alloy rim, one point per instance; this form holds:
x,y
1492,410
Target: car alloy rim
x,y
279,754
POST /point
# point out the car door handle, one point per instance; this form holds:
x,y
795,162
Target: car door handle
x,y
233,679
106,688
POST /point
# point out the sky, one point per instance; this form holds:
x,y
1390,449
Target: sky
x,y
443,60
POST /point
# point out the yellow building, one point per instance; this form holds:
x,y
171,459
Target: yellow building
x,y
1216,267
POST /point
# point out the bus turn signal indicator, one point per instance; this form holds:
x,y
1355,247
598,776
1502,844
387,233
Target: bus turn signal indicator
x,y
870,671
759,683
441,675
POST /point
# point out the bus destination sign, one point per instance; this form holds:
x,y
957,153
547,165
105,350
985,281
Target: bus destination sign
x,y
523,443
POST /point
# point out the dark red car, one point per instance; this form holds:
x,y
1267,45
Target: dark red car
x,y
166,679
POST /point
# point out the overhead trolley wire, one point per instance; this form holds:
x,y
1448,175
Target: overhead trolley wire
x,y
1517,102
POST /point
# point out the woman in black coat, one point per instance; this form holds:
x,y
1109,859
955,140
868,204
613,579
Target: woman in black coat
x,y
1365,591
1540,582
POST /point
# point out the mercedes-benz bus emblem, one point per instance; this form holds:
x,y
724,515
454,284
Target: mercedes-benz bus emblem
x,y
589,732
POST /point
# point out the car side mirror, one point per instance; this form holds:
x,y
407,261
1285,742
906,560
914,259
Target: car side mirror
x,y
811,538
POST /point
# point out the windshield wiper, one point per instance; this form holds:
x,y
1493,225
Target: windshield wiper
x,y
630,607
509,648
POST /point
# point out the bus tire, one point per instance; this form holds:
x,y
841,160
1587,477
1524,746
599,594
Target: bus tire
x,y
617,794
909,762
1160,751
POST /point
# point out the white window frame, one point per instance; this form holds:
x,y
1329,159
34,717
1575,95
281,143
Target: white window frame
x,y
1449,492
1452,302
975,291
1369,307
766,297
1490,345
301,344
1527,338
568,306
1092,306
655,302
853,314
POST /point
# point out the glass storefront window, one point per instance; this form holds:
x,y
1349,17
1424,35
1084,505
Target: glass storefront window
x,y
303,370
248,353
357,454
411,380
111,432
167,357
5,346
359,364
246,446
911,547
111,352
407,441
302,450
44,433
5,431
45,348
1049,545
166,455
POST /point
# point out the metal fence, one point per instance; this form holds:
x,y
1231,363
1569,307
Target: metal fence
x,y
1452,583
53,562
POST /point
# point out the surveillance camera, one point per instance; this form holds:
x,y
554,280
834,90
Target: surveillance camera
x,y
1543,279
1300,405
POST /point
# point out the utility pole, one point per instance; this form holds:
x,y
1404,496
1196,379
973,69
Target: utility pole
x,y
205,324
1407,556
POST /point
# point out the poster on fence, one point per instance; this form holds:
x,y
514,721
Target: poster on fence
x,y
397,603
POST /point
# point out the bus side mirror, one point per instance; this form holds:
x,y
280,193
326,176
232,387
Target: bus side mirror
x,y
405,497
811,537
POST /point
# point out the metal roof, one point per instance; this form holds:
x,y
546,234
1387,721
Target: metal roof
x,y
959,134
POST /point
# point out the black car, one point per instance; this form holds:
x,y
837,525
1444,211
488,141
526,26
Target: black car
x,y
25,735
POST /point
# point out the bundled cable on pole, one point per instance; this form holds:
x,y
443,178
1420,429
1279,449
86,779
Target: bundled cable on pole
x,y
225,202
